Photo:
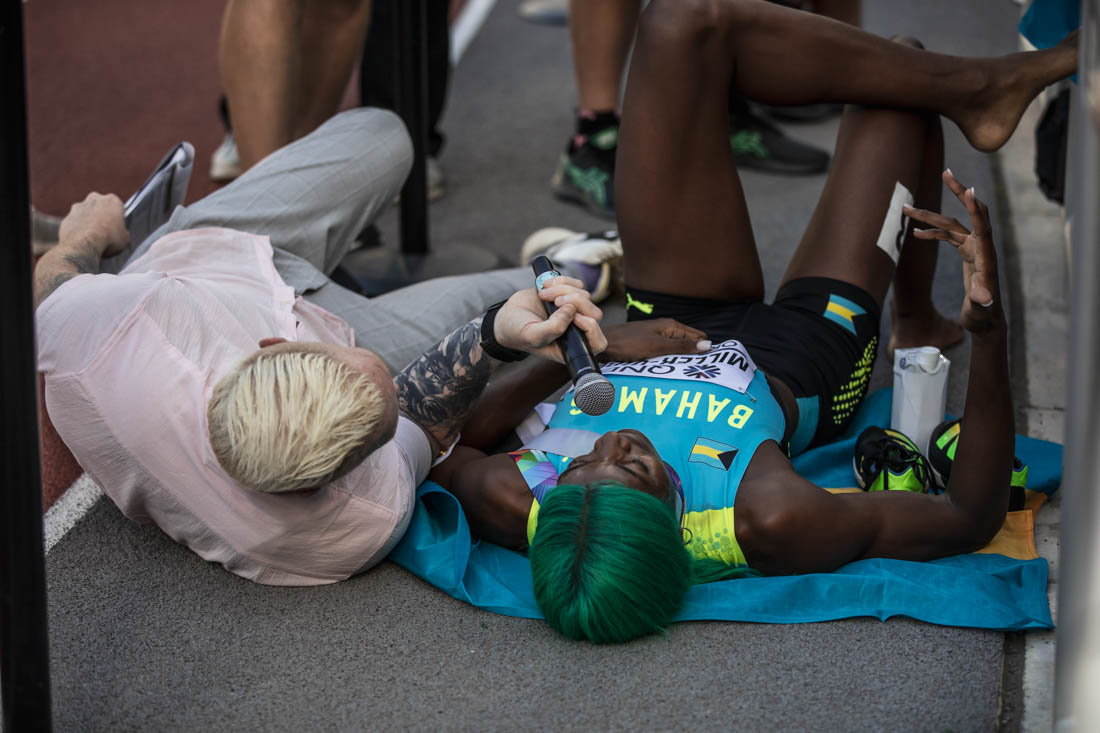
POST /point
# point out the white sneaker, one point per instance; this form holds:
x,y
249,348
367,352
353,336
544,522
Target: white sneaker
x,y
225,163
594,258
546,12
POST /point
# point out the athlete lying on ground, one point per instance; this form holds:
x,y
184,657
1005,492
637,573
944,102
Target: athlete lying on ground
x,y
694,453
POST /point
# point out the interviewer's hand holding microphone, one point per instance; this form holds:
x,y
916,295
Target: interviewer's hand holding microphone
x,y
558,320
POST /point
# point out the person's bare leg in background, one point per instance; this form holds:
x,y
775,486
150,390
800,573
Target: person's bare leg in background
x,y
285,64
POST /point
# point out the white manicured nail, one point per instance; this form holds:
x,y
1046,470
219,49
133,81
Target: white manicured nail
x,y
986,305
703,345
948,172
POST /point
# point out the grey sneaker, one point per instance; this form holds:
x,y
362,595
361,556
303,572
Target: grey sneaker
x,y
595,258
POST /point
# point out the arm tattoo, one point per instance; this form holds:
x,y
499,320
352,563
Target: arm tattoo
x,y
438,389
52,274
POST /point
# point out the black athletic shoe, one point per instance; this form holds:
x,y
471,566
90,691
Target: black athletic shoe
x,y
586,172
941,454
758,144
886,460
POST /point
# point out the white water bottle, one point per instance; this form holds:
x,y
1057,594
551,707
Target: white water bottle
x,y
920,393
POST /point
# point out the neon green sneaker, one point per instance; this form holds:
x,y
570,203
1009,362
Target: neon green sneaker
x,y
886,460
941,455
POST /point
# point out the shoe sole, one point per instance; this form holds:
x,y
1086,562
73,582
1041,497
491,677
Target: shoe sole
x,y
602,290
222,172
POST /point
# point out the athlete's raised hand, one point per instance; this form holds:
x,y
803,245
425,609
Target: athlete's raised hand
x,y
982,308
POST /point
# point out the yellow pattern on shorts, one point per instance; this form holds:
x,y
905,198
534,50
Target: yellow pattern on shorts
x,y
849,397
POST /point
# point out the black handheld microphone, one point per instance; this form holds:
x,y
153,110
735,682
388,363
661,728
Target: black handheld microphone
x,y
593,392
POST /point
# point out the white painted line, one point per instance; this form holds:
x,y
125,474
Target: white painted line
x,y
466,26
69,509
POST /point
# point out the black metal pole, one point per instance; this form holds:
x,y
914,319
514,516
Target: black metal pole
x,y
410,67
24,645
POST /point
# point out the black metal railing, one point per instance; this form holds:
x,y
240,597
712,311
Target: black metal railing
x,y
24,647
1077,667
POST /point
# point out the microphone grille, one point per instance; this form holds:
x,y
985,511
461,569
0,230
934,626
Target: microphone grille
x,y
594,394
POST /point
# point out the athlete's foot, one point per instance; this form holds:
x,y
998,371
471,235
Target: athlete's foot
x,y
989,118
911,331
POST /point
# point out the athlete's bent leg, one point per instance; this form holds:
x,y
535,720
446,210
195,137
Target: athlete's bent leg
x,y
681,210
784,56
856,232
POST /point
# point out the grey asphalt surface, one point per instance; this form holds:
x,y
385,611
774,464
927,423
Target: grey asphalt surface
x,y
145,635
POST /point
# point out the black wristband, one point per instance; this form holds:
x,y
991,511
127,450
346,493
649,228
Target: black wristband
x,y
489,341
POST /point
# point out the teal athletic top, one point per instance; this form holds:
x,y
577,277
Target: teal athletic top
x,y
706,414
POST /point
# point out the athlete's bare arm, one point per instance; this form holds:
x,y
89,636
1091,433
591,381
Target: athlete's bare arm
x,y
490,488
787,525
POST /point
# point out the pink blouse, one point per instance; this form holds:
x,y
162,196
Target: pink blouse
x,y
130,361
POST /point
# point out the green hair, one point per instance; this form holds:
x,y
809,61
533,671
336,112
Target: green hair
x,y
608,563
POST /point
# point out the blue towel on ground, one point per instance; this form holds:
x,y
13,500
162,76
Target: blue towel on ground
x,y
980,590
1047,22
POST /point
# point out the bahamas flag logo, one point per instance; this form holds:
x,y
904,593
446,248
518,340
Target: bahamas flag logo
x,y
841,310
712,453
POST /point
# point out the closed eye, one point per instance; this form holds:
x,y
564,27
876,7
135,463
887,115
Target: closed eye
x,y
576,463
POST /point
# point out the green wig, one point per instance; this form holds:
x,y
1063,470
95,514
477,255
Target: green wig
x,y
608,563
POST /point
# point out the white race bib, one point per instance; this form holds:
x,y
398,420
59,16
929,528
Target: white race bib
x,y
727,364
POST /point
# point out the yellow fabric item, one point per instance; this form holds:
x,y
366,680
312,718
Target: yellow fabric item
x,y
711,535
711,532
532,521
1016,538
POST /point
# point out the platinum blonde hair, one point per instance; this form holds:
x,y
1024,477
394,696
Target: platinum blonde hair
x,y
291,420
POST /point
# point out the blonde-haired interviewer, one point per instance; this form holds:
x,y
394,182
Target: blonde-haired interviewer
x,y
224,388
294,416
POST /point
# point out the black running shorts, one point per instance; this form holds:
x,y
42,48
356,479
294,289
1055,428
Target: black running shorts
x,y
819,336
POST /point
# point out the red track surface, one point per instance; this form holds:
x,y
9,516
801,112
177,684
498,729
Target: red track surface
x,y
111,86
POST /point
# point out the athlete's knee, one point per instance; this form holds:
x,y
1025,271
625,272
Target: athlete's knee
x,y
907,41
687,24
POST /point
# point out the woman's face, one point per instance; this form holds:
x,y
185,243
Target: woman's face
x,y
624,456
